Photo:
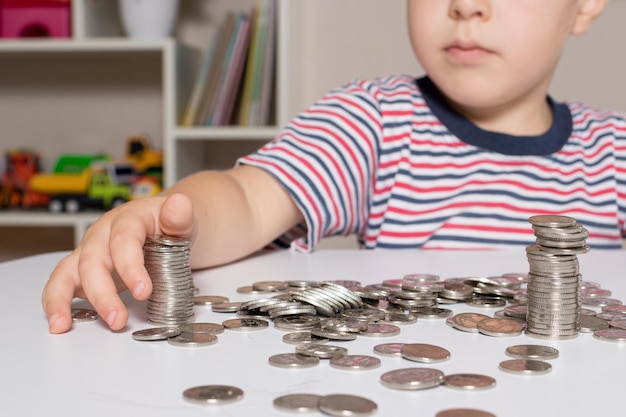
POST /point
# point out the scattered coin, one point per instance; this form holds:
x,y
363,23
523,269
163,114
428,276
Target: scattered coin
x,y
293,360
209,300
245,324
228,307
213,394
525,366
298,403
589,324
464,412
202,327
412,378
611,335
346,405
321,351
156,333
532,352
468,322
298,338
423,352
355,362
473,382
389,349
500,327
193,340
83,315
381,330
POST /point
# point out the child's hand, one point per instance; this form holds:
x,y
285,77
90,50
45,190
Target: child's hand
x,y
109,259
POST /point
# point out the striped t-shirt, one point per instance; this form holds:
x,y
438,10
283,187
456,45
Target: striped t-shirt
x,y
389,161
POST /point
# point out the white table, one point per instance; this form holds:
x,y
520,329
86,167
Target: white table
x,y
92,371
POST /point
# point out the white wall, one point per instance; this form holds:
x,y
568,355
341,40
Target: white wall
x,y
347,39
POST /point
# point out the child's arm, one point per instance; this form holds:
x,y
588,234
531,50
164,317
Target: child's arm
x,y
228,214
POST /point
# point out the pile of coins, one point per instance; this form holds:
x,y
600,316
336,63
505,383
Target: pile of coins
x,y
166,259
554,287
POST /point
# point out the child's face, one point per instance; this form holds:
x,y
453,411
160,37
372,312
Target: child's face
x,y
485,54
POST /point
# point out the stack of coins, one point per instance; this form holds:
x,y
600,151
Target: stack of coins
x,y
554,286
167,261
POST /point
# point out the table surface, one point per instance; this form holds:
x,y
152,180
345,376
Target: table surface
x,y
93,371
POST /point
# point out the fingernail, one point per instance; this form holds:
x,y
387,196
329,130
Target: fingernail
x,y
51,320
111,318
139,289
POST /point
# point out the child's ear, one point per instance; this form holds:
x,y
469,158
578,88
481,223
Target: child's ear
x,y
588,11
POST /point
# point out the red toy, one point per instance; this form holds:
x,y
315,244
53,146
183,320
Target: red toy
x,y
35,18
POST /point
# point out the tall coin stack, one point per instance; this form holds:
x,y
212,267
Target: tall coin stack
x,y
554,277
167,261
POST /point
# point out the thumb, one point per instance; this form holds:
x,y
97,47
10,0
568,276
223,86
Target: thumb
x,y
176,217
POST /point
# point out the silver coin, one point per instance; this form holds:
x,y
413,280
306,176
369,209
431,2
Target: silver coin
x,y
297,338
589,324
611,335
532,352
249,290
299,322
474,382
332,335
245,324
201,327
423,352
298,403
293,360
193,340
355,362
346,405
213,394
321,351
156,333
618,324
525,366
549,220
389,349
229,307
83,315
464,412
208,300
380,330
412,378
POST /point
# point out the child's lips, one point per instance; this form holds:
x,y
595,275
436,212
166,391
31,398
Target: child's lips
x,y
465,52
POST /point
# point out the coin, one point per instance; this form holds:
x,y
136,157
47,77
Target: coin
x,y
298,403
83,315
469,381
346,405
213,394
464,412
193,340
412,378
355,362
297,338
532,352
423,352
389,349
525,366
468,322
500,327
156,333
293,360
201,327
589,324
228,307
245,324
611,335
321,351
549,220
208,300
381,330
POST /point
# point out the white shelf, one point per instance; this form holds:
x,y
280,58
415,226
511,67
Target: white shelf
x,y
80,222
225,133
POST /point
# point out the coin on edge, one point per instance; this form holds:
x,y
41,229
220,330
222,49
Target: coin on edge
x,y
532,352
474,382
213,394
525,366
346,405
464,412
298,403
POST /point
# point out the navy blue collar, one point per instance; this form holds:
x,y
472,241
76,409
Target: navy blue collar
x,y
545,144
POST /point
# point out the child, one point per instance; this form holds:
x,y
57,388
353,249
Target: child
x,y
458,159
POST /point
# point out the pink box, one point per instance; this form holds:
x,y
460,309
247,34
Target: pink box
x,y
35,19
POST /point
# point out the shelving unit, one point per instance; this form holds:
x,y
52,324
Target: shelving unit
x,y
89,93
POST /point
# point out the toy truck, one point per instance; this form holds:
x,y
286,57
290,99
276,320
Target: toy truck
x,y
103,185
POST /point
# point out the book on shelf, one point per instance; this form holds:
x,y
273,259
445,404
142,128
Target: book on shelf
x,y
235,80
